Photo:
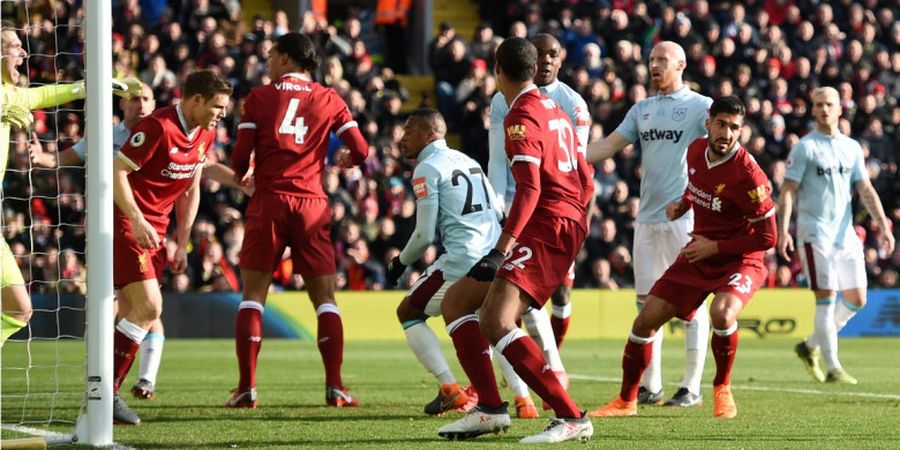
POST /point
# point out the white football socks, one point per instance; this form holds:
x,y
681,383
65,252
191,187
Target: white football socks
x,y
151,356
538,325
696,339
424,344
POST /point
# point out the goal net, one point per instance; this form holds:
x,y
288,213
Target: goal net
x,y
49,369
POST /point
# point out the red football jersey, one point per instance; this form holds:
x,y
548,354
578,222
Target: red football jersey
x,y
539,132
292,118
165,156
727,196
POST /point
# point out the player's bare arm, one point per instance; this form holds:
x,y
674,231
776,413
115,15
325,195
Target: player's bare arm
x,y
606,148
144,233
869,198
676,209
186,207
786,198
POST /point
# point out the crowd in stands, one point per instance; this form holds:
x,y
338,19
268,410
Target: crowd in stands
x,y
769,52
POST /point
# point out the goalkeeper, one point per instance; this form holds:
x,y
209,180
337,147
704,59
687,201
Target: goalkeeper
x,y
16,104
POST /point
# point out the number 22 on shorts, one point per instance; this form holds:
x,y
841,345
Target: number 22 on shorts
x,y
525,254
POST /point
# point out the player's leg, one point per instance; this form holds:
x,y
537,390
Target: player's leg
x,y
820,271
143,301
652,256
851,275
562,308
538,326
427,294
14,298
723,313
638,352
151,357
696,333
248,334
524,404
461,301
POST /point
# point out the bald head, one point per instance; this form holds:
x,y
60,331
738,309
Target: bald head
x,y
549,60
667,63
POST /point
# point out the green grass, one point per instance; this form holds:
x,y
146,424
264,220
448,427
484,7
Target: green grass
x,y
779,405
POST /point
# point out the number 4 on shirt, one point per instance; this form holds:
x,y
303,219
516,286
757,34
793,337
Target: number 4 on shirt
x,y
293,125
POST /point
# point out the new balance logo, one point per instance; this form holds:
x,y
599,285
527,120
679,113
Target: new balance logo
x,y
324,339
662,135
255,338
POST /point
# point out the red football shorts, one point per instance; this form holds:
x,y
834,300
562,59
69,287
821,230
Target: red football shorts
x,y
132,263
276,221
540,261
686,285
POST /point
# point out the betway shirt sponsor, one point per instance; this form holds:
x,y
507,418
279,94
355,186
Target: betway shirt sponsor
x,y
498,166
665,125
827,168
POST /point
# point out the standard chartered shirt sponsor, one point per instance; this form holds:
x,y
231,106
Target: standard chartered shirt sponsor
x,y
665,125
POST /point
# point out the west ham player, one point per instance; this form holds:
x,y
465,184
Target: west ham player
x,y
665,125
823,170
158,169
454,199
16,104
735,225
536,322
545,229
287,123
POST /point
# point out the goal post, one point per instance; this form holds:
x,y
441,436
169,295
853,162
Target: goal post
x,y
94,426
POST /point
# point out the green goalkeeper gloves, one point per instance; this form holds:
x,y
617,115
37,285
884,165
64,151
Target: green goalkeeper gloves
x,y
126,87
123,87
17,116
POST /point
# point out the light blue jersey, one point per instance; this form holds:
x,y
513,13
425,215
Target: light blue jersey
x,y
827,168
467,214
665,125
498,166
120,135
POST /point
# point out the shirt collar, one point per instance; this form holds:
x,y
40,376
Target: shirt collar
x,y
184,125
711,164
677,95
433,146
299,75
550,87
524,91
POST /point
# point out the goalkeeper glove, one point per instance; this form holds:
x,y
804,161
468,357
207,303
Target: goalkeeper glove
x,y
17,116
395,270
123,87
126,87
486,268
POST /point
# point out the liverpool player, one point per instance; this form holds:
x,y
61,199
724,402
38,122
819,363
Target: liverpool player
x,y
545,229
157,169
288,123
734,226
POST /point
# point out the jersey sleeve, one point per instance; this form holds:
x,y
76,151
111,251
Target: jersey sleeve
x,y
581,118
756,203
628,129
44,96
498,166
246,140
425,186
796,162
146,138
522,140
701,118
859,165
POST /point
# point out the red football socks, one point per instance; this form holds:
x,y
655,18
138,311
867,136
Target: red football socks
x,y
331,346
247,342
634,361
528,360
560,327
124,350
724,348
473,351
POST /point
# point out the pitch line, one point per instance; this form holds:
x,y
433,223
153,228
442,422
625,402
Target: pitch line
x,y
757,388
52,437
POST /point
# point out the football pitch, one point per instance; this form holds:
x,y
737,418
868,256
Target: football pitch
x,y
779,406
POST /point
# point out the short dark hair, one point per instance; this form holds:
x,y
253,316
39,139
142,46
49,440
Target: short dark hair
x,y
207,84
727,105
299,48
517,59
432,118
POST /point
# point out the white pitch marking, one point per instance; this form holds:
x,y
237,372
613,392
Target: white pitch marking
x,y
757,388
